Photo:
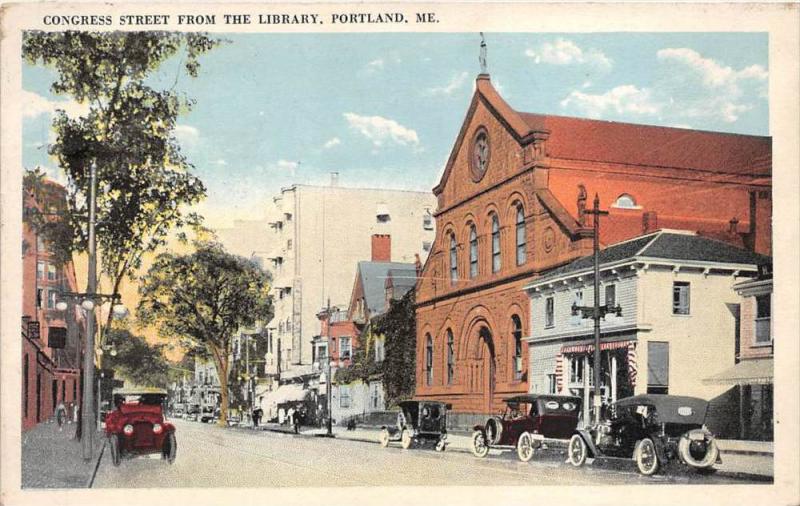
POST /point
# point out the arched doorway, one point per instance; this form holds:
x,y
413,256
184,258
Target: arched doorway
x,y
488,361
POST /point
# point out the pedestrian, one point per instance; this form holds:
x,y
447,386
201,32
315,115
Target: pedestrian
x,y
256,417
290,415
296,421
61,415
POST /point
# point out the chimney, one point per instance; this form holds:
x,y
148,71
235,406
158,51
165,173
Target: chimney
x,y
381,248
334,179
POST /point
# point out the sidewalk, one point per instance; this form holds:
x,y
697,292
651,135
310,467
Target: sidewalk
x,y
54,459
752,460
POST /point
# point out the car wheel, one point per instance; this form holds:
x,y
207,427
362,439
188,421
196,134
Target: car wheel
x,y
695,458
646,458
480,448
440,445
383,438
170,448
525,448
406,440
577,451
113,443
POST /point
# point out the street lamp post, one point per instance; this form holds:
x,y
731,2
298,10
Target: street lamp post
x,y
329,382
596,312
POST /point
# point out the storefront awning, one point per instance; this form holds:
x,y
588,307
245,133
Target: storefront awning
x,y
589,347
287,393
757,371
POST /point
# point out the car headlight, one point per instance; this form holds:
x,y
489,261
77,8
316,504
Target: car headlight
x,y
157,428
128,430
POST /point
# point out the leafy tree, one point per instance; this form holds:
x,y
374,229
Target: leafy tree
x,y
129,133
202,298
137,360
398,325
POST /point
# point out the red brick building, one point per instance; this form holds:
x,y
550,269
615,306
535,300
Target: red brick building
x,y
50,369
510,207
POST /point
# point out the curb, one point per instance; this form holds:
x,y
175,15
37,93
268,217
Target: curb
x,y
97,464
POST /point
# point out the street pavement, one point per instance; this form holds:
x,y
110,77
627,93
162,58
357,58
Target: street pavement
x,y
53,458
211,456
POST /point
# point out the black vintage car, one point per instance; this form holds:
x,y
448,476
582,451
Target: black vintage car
x,y
653,430
526,421
418,422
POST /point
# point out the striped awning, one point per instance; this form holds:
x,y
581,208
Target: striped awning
x,y
757,371
589,347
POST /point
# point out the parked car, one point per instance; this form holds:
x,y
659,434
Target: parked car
x,y
524,424
207,414
653,430
419,422
137,426
192,412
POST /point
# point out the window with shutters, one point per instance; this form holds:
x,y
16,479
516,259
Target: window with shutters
x,y
680,297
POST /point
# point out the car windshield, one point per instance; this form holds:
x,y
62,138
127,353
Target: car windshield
x,y
516,410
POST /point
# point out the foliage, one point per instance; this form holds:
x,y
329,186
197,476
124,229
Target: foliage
x,y
397,326
128,132
202,298
137,360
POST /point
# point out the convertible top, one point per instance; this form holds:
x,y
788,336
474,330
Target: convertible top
x,y
140,391
671,408
530,398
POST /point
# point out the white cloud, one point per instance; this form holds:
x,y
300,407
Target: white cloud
x,y
566,52
375,65
625,99
221,162
335,141
724,84
187,134
379,130
286,165
34,105
455,84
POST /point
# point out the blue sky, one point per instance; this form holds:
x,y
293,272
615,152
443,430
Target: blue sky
x,y
384,109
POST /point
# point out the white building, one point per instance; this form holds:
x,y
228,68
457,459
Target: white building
x,y
318,235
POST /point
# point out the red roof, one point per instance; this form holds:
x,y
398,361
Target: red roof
x,y
611,141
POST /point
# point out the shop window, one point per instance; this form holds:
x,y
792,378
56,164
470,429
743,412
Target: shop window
x,y
473,252
680,298
763,318
496,259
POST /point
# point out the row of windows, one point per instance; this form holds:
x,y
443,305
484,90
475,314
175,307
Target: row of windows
x,y
549,303
46,271
516,333
497,255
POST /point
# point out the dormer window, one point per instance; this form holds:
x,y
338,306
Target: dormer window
x,y
427,221
626,201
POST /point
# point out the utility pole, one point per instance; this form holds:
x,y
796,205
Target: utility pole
x,y
596,312
87,435
329,383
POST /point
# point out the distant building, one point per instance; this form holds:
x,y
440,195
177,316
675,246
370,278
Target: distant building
x,y
752,375
511,206
318,235
677,322
51,339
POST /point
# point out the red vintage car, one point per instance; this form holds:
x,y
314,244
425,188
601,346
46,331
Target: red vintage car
x,y
526,422
137,426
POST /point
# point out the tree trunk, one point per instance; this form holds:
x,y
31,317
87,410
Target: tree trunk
x,y
221,363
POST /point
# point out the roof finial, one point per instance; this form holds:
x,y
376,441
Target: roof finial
x,y
482,57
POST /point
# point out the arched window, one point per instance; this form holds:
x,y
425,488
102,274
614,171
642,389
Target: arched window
x,y
428,360
516,332
626,201
496,261
473,252
451,357
453,259
521,256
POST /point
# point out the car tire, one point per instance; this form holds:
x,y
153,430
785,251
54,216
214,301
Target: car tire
x,y
480,446
646,457
170,448
525,449
383,438
113,444
440,445
707,462
577,451
406,441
